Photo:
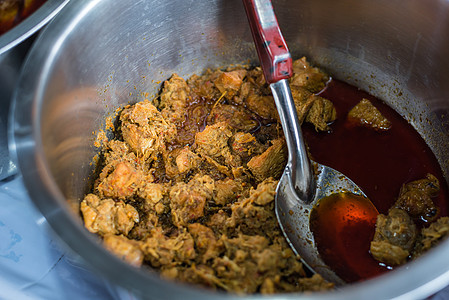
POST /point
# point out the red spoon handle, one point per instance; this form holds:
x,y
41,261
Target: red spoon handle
x,y
273,52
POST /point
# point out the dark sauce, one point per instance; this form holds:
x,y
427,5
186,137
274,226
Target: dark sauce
x,y
379,162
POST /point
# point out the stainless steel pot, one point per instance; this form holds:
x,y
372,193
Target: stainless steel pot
x,y
101,54
14,45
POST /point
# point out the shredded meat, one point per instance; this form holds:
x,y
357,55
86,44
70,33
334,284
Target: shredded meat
x,y
394,237
366,114
416,198
187,184
108,216
432,235
397,239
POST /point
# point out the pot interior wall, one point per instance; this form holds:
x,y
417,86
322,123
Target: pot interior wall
x,y
119,52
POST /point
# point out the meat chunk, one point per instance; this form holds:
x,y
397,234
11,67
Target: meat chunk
x,y
313,109
227,191
126,249
311,78
271,163
213,142
121,183
160,250
188,200
255,214
366,114
145,129
206,243
431,236
174,99
230,82
108,216
245,145
250,260
394,238
416,198
180,161
263,105
237,117
321,113
153,195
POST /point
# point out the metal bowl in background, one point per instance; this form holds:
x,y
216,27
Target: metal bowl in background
x,y
14,44
99,55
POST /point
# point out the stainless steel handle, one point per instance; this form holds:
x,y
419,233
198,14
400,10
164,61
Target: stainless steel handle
x,y
298,167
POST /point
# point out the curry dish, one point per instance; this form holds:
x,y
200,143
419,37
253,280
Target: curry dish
x,y
187,184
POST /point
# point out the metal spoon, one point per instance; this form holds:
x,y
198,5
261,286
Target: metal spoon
x,y
300,187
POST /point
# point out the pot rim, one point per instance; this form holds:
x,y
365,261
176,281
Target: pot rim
x,y
415,280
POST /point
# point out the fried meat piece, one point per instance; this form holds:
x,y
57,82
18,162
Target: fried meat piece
x,y
230,82
246,146
313,109
416,198
431,236
108,216
122,182
394,237
180,161
311,78
174,99
270,163
126,249
212,142
237,118
263,105
206,243
145,129
160,250
366,114
188,200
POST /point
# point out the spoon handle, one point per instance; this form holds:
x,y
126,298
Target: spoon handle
x,y
271,48
276,63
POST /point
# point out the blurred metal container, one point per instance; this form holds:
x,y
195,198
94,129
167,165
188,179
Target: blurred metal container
x,y
102,54
14,45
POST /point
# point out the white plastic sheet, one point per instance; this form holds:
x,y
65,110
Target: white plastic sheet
x,y
32,264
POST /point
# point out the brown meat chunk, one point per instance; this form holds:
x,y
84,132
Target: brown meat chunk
x,y
271,163
174,99
153,195
394,237
230,82
206,243
227,191
180,161
255,214
245,145
160,249
313,109
311,78
237,117
263,105
366,114
213,142
121,183
415,198
321,113
126,249
431,236
188,200
108,216
145,130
